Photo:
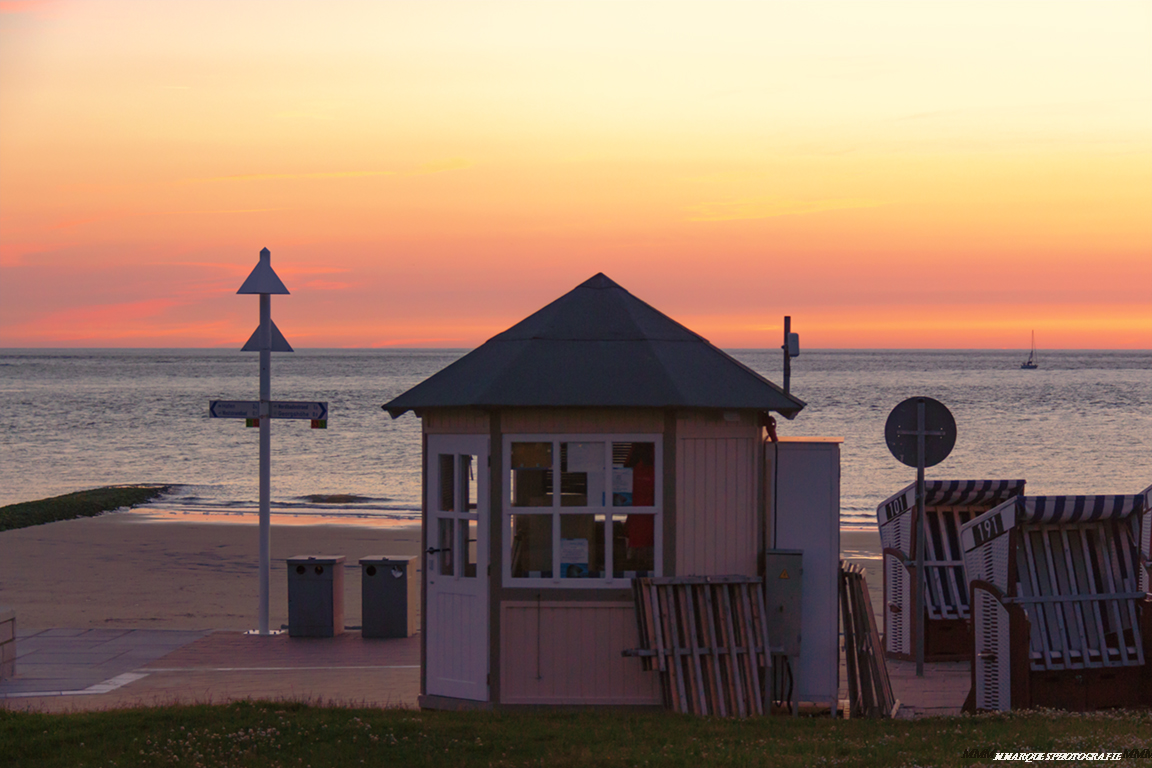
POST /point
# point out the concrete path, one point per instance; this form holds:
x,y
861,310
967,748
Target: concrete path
x,y
76,669
941,691
84,669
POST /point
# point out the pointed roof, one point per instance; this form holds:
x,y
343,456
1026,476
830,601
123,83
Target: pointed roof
x,y
597,345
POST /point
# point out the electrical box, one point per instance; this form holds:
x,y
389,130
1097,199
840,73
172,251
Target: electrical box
x,y
315,595
783,595
390,596
804,493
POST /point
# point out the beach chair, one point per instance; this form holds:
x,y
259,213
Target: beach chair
x,y
948,504
1061,615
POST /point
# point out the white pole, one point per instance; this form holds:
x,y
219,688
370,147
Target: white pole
x,y
265,451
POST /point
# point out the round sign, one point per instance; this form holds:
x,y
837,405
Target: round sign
x,y
900,431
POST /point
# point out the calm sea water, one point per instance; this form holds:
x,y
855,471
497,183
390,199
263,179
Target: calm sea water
x,y
76,419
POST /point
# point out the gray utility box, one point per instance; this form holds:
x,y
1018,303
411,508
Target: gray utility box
x,y
782,593
315,595
390,596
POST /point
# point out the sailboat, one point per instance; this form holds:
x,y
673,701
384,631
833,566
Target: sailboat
x,y
1030,363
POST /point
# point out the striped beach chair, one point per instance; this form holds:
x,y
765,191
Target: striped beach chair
x,y
948,504
1061,613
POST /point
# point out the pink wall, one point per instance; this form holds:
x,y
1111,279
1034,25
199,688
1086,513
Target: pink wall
x,y
570,653
717,526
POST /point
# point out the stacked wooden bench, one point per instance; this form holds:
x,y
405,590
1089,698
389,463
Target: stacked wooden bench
x,y
708,637
1060,609
948,505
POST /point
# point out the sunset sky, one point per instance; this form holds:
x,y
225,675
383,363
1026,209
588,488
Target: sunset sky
x,y
891,174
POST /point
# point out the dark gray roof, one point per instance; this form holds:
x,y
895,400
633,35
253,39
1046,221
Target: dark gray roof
x,y
597,345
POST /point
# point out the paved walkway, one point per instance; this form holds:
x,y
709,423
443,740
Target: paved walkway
x,y
941,691
78,669
85,669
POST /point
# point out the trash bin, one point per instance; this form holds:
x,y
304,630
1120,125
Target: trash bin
x,y
390,596
315,595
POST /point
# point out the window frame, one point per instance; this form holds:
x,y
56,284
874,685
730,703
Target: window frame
x,y
557,509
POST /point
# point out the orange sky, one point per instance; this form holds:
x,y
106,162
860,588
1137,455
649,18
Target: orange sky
x,y
426,174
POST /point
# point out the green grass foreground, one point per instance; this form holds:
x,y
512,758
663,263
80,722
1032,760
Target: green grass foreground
x,y
285,735
79,504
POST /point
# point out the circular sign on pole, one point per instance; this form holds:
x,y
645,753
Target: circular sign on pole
x,y
900,431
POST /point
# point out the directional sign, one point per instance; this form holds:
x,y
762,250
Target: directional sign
x,y
283,409
234,409
280,409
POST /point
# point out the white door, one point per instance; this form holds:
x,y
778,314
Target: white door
x,y
456,566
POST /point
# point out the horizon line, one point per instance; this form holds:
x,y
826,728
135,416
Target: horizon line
x,y
466,349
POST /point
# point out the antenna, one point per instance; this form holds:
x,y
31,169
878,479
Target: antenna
x,y
791,349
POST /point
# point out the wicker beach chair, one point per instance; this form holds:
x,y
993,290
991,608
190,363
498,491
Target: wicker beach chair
x,y
1060,609
948,504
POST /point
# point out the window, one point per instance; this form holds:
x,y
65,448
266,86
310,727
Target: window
x,y
582,510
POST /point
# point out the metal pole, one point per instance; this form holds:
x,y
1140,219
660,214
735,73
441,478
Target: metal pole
x,y
265,453
921,582
787,355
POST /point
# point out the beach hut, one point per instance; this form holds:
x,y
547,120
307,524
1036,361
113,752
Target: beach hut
x,y
592,443
948,505
1058,612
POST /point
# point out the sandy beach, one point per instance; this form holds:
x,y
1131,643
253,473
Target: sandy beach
x,y
129,569
92,587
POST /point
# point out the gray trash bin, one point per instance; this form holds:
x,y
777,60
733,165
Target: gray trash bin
x,y
315,595
390,595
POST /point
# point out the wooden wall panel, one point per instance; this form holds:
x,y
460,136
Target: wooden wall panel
x,y
715,424
455,421
582,421
570,653
717,526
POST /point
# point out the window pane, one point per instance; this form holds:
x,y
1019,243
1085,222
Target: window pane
x,y
532,546
582,546
447,482
633,474
531,474
581,474
634,549
468,483
467,529
445,545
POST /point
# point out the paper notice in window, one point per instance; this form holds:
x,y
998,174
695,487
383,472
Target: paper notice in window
x,y
574,551
574,558
621,486
585,457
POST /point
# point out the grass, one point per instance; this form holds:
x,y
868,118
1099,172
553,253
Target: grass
x,y
282,735
80,504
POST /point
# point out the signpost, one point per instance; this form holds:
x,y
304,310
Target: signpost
x,y
266,340
279,409
920,432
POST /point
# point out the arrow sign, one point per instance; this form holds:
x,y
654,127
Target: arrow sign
x,y
282,409
279,409
234,409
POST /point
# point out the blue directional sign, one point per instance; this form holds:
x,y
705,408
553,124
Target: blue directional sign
x,y
234,409
279,409
282,409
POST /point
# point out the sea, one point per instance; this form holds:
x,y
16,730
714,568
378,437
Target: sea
x,y
1081,423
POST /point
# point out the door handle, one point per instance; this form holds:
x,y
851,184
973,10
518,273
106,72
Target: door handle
x,y
434,550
